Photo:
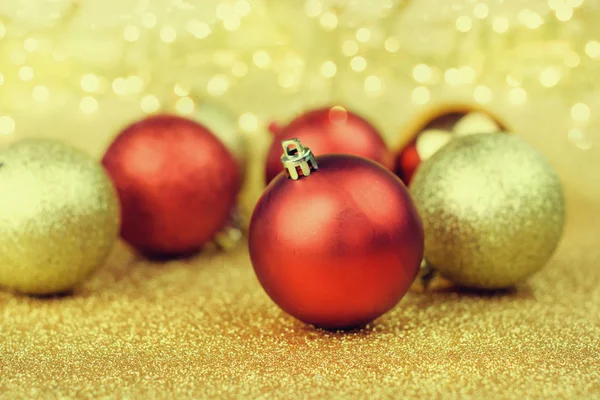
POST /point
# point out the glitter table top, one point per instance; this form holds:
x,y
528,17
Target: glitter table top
x,y
203,328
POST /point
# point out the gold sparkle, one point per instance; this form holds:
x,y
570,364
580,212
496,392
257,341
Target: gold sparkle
x,y
149,20
592,49
392,44
373,85
328,69
481,10
482,94
131,33
168,34
218,85
550,76
452,76
248,122
261,59
90,83
517,96
313,8
88,105
363,35
500,24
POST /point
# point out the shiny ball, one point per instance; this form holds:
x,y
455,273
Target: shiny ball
x,y
493,210
331,130
59,216
339,247
176,181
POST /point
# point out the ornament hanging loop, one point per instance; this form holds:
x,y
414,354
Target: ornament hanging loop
x,y
296,159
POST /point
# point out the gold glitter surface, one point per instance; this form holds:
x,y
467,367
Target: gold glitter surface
x,y
59,216
492,207
203,328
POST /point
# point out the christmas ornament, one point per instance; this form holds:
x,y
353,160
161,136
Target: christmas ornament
x,y
493,210
59,213
335,241
437,134
332,130
176,181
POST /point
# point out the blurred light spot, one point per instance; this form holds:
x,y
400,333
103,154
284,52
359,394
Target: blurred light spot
x,y
168,34
135,84
338,114
500,24
7,125
550,76
239,69
572,59
90,83
18,57
463,24
392,44
198,28
580,112
481,10
467,74
180,90
30,45
363,35
261,59
373,85
328,69
512,81
131,33
530,19
218,85
577,137
242,8
185,105
40,93
224,11
574,3
452,76
148,20
313,8
248,122
482,94
232,23
119,86
358,63
1,79
350,48
420,95
592,49
328,21
88,105
517,96
149,104
2,30
421,73
564,13
26,73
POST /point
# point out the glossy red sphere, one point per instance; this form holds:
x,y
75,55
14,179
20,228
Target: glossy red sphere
x,y
331,130
408,161
177,184
339,247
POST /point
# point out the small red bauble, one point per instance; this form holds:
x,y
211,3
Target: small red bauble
x,y
177,184
331,130
336,246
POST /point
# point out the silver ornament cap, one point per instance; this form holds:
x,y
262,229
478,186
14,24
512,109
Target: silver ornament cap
x,y
297,160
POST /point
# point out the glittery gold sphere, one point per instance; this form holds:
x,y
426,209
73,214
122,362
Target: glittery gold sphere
x,y
493,210
59,216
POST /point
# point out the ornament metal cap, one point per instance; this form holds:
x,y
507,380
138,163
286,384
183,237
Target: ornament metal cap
x,y
296,159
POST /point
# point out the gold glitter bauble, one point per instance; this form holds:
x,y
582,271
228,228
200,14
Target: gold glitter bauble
x,y
493,210
59,216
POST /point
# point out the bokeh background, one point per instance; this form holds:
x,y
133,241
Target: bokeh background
x,y
81,70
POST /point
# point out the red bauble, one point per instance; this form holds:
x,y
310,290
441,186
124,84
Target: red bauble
x,y
337,247
331,130
424,146
177,184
